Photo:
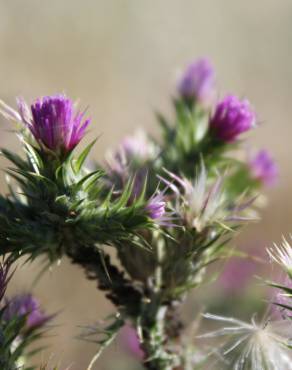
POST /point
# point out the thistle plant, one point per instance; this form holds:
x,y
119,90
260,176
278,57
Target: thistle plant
x,y
168,207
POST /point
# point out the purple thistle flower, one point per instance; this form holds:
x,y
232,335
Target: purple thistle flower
x,y
232,117
53,122
155,209
263,168
198,81
156,206
26,305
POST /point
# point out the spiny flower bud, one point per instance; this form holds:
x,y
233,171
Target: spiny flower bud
x,y
53,122
283,256
263,168
198,82
133,149
232,117
138,146
129,160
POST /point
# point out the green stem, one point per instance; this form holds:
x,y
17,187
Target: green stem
x,y
154,322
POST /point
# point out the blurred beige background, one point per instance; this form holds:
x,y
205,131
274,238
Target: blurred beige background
x,y
121,57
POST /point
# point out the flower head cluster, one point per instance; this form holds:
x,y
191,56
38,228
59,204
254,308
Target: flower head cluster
x,y
263,168
198,82
66,210
232,117
28,306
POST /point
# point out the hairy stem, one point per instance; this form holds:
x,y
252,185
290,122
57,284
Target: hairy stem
x,y
157,323
119,290
159,326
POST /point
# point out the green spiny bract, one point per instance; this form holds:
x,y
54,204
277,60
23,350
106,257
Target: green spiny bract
x,y
55,204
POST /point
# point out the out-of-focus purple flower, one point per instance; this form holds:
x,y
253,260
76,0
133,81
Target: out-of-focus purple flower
x,y
54,123
198,82
138,145
130,342
232,117
26,305
237,274
129,161
133,149
263,168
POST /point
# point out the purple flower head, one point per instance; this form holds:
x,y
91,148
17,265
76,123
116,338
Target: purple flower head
x,y
53,122
26,305
232,117
156,206
198,81
155,209
263,168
